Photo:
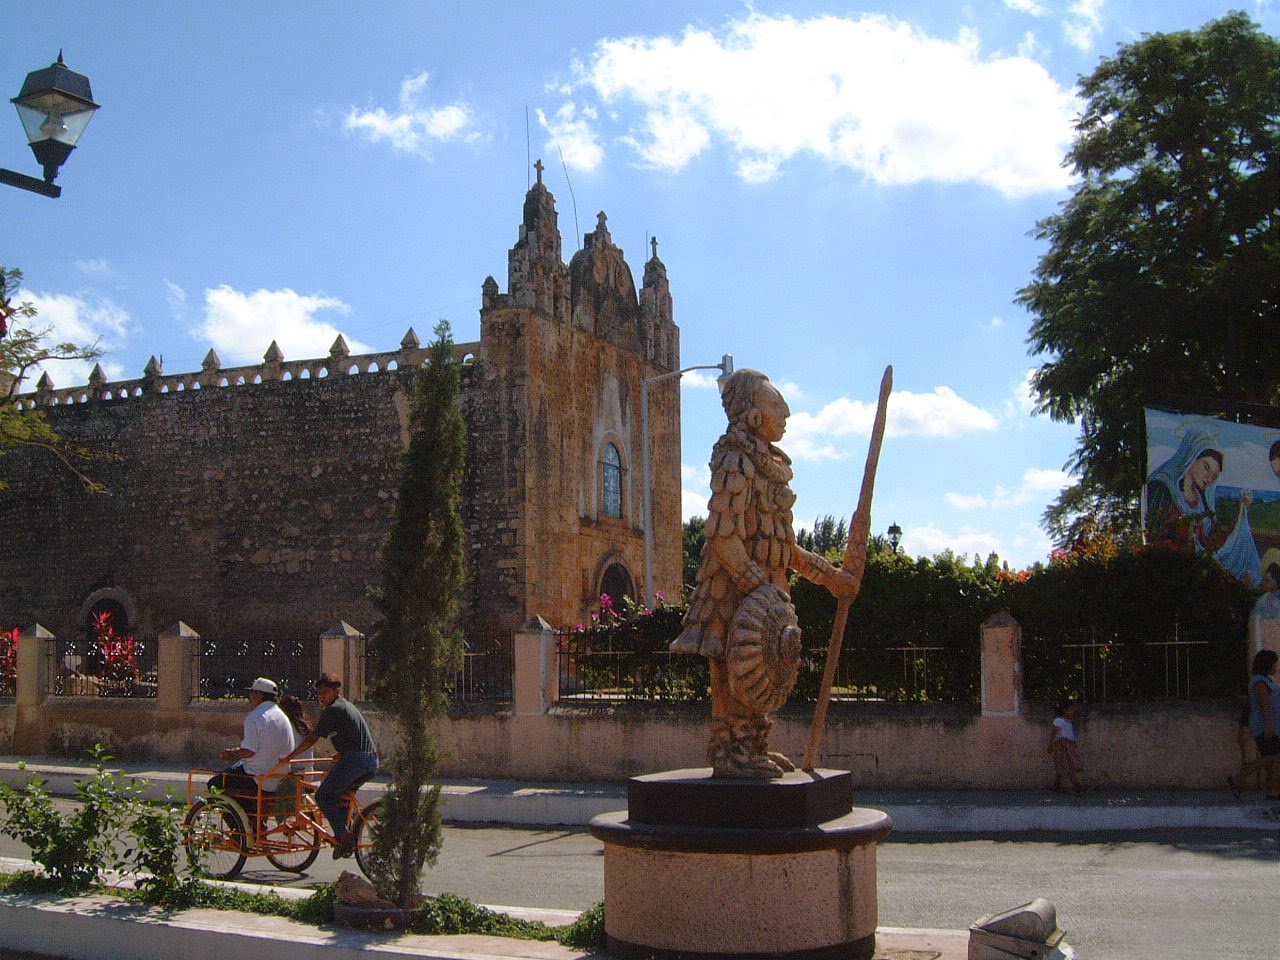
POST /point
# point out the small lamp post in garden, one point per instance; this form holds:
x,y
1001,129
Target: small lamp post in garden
x,y
55,105
895,537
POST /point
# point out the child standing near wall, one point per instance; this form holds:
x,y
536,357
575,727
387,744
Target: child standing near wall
x,y
1062,747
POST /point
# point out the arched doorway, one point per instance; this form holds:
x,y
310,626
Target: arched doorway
x,y
616,584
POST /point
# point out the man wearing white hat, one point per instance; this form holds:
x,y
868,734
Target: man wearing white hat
x,y
268,735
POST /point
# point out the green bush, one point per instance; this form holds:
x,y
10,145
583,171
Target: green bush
x,y
110,828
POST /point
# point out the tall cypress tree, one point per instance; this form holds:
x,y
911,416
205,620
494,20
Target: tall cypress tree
x,y
416,645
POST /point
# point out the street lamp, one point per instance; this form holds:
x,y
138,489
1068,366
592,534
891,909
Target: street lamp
x,y
725,366
895,536
55,105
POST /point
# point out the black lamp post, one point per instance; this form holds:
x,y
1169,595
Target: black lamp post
x,y
895,536
55,105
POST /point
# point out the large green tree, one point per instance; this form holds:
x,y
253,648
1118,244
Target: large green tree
x,y
1162,275
416,645
22,350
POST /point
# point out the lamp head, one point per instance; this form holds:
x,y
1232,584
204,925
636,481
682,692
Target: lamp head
x,y
895,536
54,105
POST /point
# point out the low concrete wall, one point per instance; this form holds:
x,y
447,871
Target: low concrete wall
x,y
1177,745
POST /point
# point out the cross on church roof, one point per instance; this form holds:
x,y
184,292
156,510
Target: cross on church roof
x,y
538,166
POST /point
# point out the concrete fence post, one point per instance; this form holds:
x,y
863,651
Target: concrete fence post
x,y
31,683
535,676
30,687
177,682
1001,666
342,652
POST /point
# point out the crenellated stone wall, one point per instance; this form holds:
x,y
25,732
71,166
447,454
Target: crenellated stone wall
x,y
254,510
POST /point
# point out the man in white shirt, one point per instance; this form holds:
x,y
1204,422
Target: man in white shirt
x,y
268,736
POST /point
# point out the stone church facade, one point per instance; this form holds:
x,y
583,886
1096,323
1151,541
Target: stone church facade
x,y
251,502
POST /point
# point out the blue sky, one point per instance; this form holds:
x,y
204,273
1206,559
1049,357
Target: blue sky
x,y
834,188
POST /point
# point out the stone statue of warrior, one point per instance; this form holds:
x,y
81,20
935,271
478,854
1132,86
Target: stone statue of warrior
x,y
740,616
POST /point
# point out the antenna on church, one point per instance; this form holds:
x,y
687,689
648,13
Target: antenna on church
x,y
528,149
576,234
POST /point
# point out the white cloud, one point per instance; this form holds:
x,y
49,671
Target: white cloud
x,y
942,413
1037,484
872,94
962,501
968,541
695,490
572,136
415,125
929,541
98,268
791,390
700,379
241,326
1084,23
1024,395
82,322
1026,6
176,297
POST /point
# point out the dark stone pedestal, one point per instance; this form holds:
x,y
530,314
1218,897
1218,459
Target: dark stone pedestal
x,y
706,867
694,798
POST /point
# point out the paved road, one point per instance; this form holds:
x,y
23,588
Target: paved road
x,y
1183,894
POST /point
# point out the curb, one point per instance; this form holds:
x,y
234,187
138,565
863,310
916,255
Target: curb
x,y
103,928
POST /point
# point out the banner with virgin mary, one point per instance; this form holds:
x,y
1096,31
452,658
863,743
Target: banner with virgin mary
x,y
1213,487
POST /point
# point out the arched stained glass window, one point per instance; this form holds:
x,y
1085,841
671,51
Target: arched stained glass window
x,y
612,484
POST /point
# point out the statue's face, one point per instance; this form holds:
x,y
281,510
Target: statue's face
x,y
773,413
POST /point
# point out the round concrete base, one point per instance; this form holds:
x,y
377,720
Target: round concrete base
x,y
673,890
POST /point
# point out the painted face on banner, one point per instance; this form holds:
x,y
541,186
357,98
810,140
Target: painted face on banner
x,y
1204,472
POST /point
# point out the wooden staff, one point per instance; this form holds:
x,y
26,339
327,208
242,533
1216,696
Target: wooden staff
x,y
855,561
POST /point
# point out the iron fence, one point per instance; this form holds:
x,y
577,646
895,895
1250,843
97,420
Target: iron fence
x,y
594,668
484,677
908,672
224,668
1184,665
487,668
90,666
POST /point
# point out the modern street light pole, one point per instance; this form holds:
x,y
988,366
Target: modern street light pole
x,y
725,366
55,105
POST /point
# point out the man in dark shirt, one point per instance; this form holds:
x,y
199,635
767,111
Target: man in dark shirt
x,y
357,757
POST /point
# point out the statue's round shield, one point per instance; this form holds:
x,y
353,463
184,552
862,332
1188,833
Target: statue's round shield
x,y
763,653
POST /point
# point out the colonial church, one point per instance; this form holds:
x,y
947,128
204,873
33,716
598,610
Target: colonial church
x,y
252,502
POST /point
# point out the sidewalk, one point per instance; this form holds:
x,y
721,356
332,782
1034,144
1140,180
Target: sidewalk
x,y
913,811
